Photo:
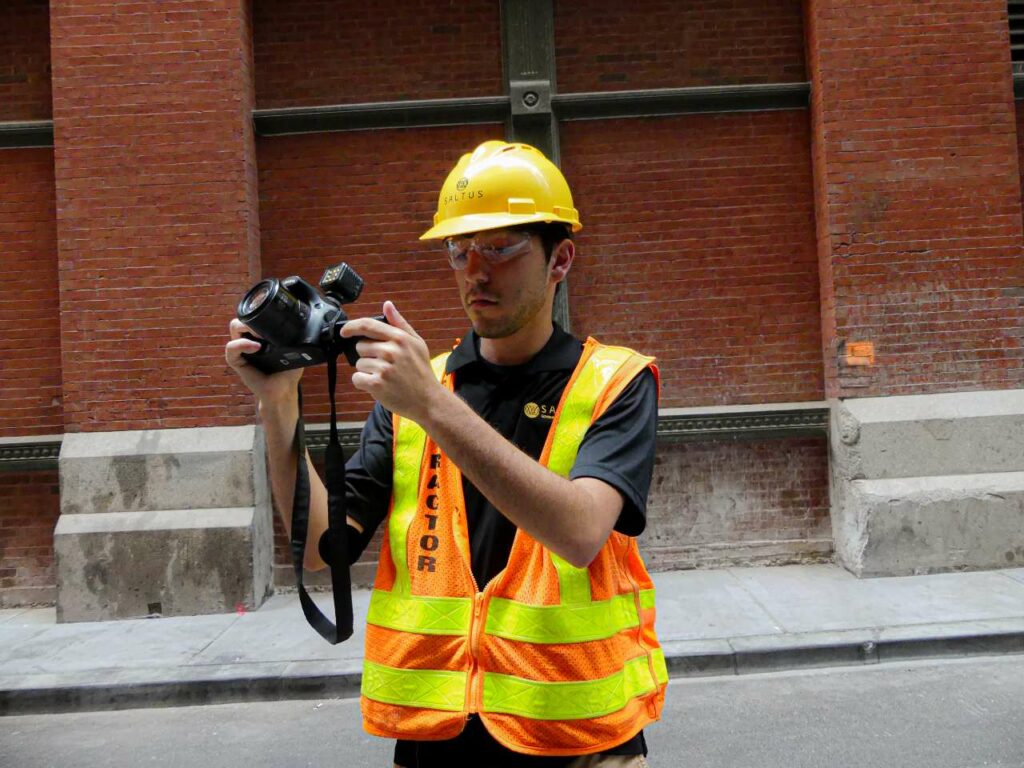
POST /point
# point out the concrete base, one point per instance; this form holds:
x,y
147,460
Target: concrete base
x,y
171,522
928,483
167,563
731,554
923,525
362,573
18,597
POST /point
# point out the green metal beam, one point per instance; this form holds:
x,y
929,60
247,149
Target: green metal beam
x,y
528,53
381,114
29,133
658,102
750,422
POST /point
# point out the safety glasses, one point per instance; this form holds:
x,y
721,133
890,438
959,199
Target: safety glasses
x,y
495,247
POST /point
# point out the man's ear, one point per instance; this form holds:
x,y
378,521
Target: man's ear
x,y
561,260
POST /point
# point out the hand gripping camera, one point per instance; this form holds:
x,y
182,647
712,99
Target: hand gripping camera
x,y
300,326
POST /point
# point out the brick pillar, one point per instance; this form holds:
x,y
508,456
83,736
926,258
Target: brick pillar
x,y
919,239
157,209
157,236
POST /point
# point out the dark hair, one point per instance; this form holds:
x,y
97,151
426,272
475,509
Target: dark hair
x,y
551,233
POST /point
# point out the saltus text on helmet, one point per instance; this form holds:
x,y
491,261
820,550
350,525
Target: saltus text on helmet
x,y
460,196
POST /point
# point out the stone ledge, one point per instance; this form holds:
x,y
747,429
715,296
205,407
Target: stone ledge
x,y
156,520
948,405
162,469
925,435
150,442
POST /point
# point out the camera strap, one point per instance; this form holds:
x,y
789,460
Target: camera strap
x,y
336,545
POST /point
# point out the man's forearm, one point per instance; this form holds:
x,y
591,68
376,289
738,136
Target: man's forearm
x,y
279,422
571,518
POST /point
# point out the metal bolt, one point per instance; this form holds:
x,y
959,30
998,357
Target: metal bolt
x,y
531,99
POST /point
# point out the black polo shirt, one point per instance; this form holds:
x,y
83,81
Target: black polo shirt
x,y
519,402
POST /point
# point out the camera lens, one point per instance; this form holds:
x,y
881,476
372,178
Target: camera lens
x,y
271,310
256,298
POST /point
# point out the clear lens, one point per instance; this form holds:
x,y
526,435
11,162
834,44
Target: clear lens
x,y
493,247
256,299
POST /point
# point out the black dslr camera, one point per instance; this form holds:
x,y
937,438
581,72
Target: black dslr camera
x,y
300,326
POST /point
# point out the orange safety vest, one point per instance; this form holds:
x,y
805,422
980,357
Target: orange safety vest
x,y
556,660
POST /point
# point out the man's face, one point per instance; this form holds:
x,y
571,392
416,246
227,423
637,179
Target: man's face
x,y
502,298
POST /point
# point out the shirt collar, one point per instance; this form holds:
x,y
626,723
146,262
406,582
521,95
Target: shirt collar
x,y
561,352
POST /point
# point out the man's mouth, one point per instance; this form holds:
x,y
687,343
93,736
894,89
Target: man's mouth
x,y
478,302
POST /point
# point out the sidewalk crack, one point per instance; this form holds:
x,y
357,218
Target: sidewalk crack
x,y
1014,579
191,661
760,605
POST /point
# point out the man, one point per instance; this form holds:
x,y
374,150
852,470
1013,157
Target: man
x,y
512,619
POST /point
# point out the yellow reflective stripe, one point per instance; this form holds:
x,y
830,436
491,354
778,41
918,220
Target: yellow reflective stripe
x,y
578,408
646,598
564,623
581,700
660,668
427,688
424,615
572,424
410,440
573,582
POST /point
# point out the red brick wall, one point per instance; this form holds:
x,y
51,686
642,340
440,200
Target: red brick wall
x,y
311,52
918,195
610,45
698,247
1019,111
25,60
718,503
29,508
30,384
156,209
364,197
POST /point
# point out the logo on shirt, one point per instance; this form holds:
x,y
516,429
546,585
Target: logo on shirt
x,y
533,411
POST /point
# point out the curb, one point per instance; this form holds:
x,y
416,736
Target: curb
x,y
685,659
59,699
750,656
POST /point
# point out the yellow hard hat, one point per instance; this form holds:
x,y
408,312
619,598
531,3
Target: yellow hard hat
x,y
502,185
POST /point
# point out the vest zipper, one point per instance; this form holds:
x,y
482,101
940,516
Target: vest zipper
x,y
475,627
477,624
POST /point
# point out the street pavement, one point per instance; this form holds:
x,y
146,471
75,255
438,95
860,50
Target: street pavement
x,y
945,713
731,621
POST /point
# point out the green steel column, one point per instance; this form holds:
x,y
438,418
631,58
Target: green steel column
x,y
528,46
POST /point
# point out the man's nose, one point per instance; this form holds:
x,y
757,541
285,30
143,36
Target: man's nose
x,y
478,269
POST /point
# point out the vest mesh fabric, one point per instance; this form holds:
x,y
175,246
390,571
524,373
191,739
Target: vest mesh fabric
x,y
551,671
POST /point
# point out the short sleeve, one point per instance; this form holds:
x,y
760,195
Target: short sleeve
x,y
368,472
619,449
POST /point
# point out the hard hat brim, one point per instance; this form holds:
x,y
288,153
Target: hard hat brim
x,y
481,222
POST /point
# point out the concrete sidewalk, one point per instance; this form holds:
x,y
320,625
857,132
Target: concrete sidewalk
x,y
729,621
